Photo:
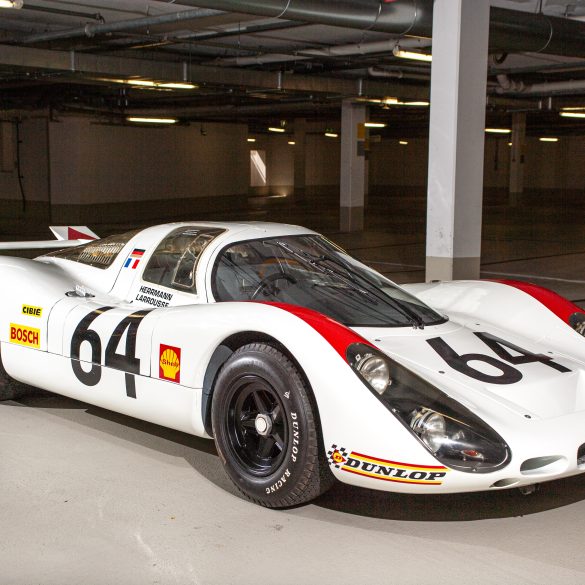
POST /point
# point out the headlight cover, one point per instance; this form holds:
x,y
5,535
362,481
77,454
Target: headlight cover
x,y
452,433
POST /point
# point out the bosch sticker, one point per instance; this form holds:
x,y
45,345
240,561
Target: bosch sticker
x,y
23,335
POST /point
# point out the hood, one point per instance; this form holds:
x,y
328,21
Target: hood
x,y
486,369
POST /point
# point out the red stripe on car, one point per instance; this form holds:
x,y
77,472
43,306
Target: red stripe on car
x,y
339,336
561,307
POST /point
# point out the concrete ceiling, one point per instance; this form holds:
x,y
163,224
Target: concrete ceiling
x,y
78,56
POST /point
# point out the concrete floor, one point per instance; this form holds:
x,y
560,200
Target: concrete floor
x,y
89,497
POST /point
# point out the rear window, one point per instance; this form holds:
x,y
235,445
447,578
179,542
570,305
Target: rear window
x,y
98,253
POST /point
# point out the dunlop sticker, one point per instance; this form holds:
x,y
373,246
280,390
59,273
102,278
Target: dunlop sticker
x,y
385,469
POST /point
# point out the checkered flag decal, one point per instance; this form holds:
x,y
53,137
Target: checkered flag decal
x,y
336,456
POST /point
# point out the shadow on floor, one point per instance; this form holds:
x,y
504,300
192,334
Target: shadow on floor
x,y
201,455
452,507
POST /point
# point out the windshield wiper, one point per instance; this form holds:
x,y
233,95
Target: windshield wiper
x,y
348,277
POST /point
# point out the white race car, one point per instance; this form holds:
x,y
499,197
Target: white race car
x,y
302,363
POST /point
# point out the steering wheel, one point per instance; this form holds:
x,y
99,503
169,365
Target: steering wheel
x,y
270,280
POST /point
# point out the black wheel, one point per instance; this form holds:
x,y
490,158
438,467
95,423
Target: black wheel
x,y
265,429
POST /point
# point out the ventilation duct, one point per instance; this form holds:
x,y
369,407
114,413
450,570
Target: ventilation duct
x,y
510,30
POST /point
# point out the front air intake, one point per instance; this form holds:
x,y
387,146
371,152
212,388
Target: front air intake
x,y
544,465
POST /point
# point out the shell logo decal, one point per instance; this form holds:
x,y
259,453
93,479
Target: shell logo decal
x,y
169,363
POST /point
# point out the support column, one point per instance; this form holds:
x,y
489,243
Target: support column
x,y
300,156
353,175
517,158
456,139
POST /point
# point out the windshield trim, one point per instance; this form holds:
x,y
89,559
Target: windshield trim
x,y
214,293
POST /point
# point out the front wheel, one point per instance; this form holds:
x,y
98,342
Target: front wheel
x,y
266,430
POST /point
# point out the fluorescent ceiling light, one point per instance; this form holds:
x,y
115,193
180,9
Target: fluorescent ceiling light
x,y
573,114
375,125
251,139
548,139
498,130
11,3
398,52
403,142
572,108
141,82
421,103
172,85
139,120
331,134
275,129
292,142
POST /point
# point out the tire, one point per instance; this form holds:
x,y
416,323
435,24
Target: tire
x,y
266,431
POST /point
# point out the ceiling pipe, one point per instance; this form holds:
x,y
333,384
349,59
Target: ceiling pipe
x,y
223,111
240,29
509,86
414,17
330,52
510,30
396,74
91,30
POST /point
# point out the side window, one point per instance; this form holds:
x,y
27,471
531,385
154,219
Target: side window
x,y
174,262
99,253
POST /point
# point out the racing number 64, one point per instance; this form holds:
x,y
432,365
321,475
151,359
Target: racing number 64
x,y
126,362
508,374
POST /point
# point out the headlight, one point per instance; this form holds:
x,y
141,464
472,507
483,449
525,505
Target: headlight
x,y
431,428
452,433
375,371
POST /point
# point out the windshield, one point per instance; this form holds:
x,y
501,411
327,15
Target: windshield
x,y
309,271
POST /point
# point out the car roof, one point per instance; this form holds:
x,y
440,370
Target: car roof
x,y
235,231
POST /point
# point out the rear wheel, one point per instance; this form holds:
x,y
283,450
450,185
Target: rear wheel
x,y
266,430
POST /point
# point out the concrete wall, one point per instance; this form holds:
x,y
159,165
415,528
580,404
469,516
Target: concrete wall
x,y
92,163
322,162
81,167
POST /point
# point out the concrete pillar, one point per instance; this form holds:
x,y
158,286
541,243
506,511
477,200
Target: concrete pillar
x,y
353,175
456,139
300,157
517,158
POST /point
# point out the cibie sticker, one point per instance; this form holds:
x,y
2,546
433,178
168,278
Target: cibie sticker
x,y
23,335
32,311
169,363
384,469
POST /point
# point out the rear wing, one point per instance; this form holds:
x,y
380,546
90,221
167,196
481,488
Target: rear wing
x,y
67,236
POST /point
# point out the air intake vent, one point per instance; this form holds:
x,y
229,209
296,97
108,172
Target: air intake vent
x,y
544,465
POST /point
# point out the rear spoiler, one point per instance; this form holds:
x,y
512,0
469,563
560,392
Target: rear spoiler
x,y
67,236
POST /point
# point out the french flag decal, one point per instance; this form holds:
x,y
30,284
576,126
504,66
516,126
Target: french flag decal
x,y
134,258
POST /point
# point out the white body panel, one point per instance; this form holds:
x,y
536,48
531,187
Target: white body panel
x,y
170,390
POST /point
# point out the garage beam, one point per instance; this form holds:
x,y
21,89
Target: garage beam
x,y
105,65
456,139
